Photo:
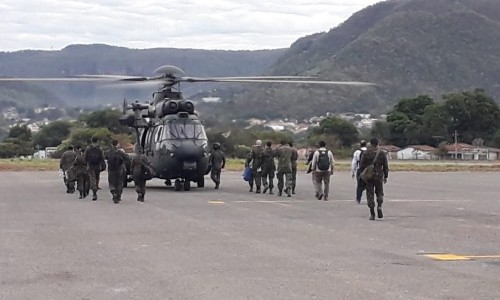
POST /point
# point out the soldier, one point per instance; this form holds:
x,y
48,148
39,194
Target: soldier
x,y
378,158
218,162
141,172
268,168
322,164
94,157
355,170
66,165
116,170
284,155
81,173
256,163
294,158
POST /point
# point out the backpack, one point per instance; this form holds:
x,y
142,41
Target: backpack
x,y
115,160
323,163
369,172
93,156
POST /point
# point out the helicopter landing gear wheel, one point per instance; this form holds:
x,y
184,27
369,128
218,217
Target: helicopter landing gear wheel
x,y
168,182
187,185
177,185
201,182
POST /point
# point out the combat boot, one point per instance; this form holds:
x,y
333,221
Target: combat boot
x,y
141,196
287,191
372,213
380,215
293,191
94,197
279,193
257,191
271,191
81,195
266,187
216,185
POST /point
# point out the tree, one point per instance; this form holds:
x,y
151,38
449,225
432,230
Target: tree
x,y
53,134
472,114
406,121
109,119
20,132
381,131
340,129
83,136
496,139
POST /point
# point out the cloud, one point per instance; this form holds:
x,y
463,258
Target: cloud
x,y
215,24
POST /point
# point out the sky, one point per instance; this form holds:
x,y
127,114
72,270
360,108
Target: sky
x,y
142,24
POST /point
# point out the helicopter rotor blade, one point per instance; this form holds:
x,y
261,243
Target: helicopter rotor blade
x,y
264,80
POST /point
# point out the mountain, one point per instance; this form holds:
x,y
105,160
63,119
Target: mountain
x,y
406,47
105,59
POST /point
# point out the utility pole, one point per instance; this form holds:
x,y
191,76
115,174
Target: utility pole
x,y
456,145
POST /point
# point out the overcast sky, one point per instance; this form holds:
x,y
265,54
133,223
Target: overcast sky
x,y
200,24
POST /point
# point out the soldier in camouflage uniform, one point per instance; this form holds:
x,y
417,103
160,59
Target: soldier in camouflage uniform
x,y
94,157
218,162
294,158
256,163
284,171
137,167
81,173
66,165
116,170
268,168
376,185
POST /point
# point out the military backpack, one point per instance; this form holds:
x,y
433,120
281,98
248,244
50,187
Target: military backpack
x,y
323,160
115,160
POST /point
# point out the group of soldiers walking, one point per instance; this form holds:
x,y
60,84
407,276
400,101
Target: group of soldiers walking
x,y
83,167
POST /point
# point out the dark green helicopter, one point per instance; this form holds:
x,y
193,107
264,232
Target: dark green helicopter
x,y
168,130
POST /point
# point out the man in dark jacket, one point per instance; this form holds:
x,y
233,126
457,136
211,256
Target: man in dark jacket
x,y
294,158
375,186
218,162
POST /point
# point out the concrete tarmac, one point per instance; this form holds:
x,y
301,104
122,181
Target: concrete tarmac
x,y
439,239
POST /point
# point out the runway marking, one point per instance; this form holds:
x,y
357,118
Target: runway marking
x,y
216,202
339,200
456,257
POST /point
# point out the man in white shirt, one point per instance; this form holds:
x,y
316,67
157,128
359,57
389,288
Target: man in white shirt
x,y
355,170
322,164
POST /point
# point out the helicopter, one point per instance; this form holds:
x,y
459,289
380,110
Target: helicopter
x,y
168,129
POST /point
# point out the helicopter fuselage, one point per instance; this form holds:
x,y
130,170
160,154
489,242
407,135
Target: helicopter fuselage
x,y
176,146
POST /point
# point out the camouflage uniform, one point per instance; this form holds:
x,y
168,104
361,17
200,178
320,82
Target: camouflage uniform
x,y
218,162
116,173
376,185
82,175
268,169
284,154
94,170
256,159
247,164
66,165
136,167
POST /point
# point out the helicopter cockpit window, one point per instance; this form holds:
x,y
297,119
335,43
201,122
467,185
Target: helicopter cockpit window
x,y
184,129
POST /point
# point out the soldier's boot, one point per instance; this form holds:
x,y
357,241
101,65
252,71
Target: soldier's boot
x,y
81,195
216,185
116,200
380,215
287,191
280,192
293,190
266,187
251,189
372,213
257,191
141,196
271,191
94,196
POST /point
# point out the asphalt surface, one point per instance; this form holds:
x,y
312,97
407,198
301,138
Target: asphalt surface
x,y
232,244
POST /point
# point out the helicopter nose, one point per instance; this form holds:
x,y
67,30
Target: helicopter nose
x,y
188,152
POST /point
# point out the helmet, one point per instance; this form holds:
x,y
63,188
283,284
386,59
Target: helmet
x,y
216,146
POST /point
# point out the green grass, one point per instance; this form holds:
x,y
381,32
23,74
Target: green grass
x,y
340,165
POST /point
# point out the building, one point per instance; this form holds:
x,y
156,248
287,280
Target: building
x,y
417,152
464,151
392,151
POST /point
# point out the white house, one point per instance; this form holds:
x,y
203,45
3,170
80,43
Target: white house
x,y
417,152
